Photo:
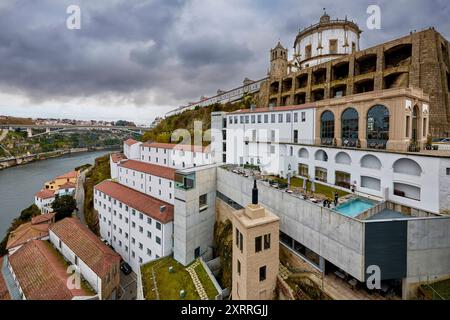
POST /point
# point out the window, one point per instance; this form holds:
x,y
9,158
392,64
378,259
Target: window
x,y
239,240
262,273
133,212
378,127
333,46
408,118
327,127
280,118
141,230
266,118
158,225
288,117
203,201
149,234
133,254
259,118
133,240
350,127
272,118
149,220
239,267
296,117
308,52
149,252
448,171
258,244
253,119
133,224
158,240
141,216
303,116
140,246
267,241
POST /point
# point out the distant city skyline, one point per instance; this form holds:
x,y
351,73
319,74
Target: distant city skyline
x,y
136,60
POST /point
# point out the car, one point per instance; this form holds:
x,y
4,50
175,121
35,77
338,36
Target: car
x,y
125,267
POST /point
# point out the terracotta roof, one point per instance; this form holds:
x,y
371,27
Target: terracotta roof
x,y
137,200
45,194
68,185
26,232
117,157
87,246
130,142
176,146
42,273
275,109
68,175
149,168
43,218
4,293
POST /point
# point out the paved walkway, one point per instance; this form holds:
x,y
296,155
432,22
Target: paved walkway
x,y
198,285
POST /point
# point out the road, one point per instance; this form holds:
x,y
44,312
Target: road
x,y
79,196
128,286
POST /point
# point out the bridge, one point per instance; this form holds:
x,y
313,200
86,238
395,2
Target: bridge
x,y
50,129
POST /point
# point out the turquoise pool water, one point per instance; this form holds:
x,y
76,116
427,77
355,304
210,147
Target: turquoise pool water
x,y
354,207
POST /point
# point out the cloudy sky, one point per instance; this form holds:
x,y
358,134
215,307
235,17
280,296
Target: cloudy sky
x,y
137,59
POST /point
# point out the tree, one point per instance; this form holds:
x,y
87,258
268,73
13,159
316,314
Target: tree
x,y
64,207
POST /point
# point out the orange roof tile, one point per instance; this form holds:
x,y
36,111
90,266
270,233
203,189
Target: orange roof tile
x,y
275,109
43,218
87,246
68,185
130,142
117,157
42,272
4,293
68,175
45,194
149,168
26,232
175,146
137,200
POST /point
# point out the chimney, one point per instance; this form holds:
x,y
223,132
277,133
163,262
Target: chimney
x,y
162,209
271,106
255,194
252,107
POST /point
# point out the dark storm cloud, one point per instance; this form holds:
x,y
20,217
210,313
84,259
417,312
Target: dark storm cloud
x,y
166,52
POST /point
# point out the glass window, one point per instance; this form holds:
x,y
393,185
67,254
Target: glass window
x,y
288,117
377,127
272,118
253,119
327,127
158,225
259,118
296,117
262,273
267,241
266,118
280,118
350,127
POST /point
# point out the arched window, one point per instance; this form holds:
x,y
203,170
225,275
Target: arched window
x,y
343,158
377,127
321,155
407,166
303,153
350,127
327,128
370,162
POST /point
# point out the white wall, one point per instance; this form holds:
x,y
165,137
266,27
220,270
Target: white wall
x,y
128,225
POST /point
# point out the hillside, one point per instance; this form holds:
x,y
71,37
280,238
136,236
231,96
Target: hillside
x,y
163,131
15,120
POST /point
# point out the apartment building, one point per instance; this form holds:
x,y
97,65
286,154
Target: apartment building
x,y
138,226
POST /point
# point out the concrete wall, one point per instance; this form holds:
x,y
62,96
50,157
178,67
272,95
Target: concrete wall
x,y
337,238
194,228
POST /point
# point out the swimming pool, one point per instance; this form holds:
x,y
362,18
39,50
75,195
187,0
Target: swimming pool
x,y
354,207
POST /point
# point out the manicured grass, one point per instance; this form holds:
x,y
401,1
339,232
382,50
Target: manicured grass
x,y
169,283
441,287
206,282
320,188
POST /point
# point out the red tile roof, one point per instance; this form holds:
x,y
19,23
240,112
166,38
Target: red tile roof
x,y
149,168
137,200
45,194
87,246
117,157
4,293
130,142
68,185
68,175
275,109
42,218
176,146
26,232
42,272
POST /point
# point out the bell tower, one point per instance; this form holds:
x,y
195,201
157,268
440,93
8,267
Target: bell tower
x,y
278,61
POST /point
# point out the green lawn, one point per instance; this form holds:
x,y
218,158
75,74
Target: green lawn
x,y
169,283
206,282
320,188
442,288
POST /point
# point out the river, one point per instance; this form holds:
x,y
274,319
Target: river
x,y
19,184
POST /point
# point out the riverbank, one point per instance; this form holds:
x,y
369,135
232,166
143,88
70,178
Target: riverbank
x,y
22,160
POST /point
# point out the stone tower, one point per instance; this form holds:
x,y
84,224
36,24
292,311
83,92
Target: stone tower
x,y
255,252
278,61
